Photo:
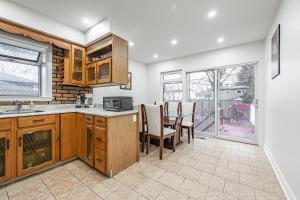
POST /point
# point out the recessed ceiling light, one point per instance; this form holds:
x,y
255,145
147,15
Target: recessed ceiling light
x,y
173,7
131,44
212,14
86,20
221,39
155,55
174,42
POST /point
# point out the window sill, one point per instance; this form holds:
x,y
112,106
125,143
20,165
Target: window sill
x,y
26,99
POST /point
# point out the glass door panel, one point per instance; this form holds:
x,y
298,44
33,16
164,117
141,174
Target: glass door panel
x,y
202,90
236,109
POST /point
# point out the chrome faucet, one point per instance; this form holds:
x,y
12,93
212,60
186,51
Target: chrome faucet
x,y
18,105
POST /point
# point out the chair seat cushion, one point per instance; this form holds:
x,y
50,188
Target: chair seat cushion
x,y
187,124
167,131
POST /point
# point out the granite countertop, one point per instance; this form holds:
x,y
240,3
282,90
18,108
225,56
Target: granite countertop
x,y
46,110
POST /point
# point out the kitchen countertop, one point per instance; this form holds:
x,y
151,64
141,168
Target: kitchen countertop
x,y
68,109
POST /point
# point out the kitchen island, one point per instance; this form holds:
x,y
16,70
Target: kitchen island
x,y
107,141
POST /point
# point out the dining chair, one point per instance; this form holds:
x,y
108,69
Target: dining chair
x,y
175,108
142,126
155,127
164,104
188,121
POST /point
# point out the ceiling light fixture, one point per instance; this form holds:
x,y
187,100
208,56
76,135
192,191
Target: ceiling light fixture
x,y
174,42
86,20
155,55
211,14
221,39
131,44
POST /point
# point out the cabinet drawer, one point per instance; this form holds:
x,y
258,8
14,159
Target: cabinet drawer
x,y
100,160
36,120
5,124
100,122
100,138
89,119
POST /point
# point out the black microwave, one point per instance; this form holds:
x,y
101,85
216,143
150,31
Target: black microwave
x,y
118,104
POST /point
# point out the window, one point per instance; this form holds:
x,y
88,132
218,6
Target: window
x,y
25,68
172,86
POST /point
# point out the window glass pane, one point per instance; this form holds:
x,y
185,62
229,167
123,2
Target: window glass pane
x,y
18,79
172,91
173,76
201,85
19,53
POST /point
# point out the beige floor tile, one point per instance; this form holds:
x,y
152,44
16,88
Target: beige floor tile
x,y
131,180
227,173
124,193
261,195
170,194
217,195
172,180
219,162
238,190
79,192
107,187
150,188
206,167
193,189
167,165
189,173
74,164
212,181
3,193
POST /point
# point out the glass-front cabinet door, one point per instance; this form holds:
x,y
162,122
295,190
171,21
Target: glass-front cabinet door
x,y
36,149
91,74
6,155
104,71
78,65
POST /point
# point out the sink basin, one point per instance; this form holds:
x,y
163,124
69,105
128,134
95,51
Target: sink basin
x,y
19,111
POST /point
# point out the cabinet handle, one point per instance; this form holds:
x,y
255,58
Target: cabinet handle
x,y
38,120
7,144
20,141
99,139
99,160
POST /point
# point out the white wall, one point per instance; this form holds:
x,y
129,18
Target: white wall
x,y
283,98
139,85
228,56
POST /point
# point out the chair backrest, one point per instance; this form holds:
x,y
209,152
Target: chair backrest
x,y
142,121
174,107
189,107
154,118
164,104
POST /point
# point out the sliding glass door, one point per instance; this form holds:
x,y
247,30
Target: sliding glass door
x,y
225,102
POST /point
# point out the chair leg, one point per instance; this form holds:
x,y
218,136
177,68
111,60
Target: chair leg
x,y
173,142
181,132
143,141
161,146
189,135
148,141
193,132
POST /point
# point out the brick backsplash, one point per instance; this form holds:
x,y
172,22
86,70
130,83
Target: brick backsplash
x,y
62,94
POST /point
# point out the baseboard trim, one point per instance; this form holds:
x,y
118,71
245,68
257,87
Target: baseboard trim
x,y
282,181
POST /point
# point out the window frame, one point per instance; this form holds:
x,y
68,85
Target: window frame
x,y
179,80
44,64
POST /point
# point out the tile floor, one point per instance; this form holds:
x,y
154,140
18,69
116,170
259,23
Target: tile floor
x,y
208,169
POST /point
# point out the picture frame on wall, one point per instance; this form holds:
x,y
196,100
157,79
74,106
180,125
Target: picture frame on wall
x,y
129,85
275,46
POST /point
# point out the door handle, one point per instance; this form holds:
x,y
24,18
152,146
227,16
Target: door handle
x,y
99,139
20,141
7,144
38,120
99,160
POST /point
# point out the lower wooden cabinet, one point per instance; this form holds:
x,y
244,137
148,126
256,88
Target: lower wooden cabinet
x,y
80,133
67,136
7,150
100,160
89,144
35,148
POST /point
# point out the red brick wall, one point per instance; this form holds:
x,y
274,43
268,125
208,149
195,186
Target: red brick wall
x,y
62,94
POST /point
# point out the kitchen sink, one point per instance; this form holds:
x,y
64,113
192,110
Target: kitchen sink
x,y
23,111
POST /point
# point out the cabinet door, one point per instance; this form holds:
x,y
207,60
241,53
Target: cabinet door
x,y
91,74
36,149
6,156
100,138
104,71
67,136
78,65
80,132
88,143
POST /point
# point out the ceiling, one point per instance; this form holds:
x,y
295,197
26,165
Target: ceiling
x,y
152,24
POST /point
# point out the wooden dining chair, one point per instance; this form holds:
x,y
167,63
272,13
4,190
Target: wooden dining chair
x,y
164,104
175,108
142,127
188,121
155,127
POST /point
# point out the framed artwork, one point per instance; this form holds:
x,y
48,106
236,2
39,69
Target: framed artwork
x,y
128,86
276,53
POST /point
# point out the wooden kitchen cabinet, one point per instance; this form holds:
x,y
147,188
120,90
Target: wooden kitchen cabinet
x,y
80,133
91,74
67,136
111,57
88,140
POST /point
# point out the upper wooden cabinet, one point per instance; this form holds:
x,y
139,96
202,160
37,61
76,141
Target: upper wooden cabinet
x,y
111,57
74,66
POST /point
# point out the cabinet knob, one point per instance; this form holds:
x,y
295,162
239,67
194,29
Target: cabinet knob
x,y
20,141
7,144
99,160
99,139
